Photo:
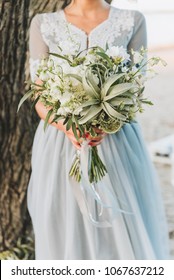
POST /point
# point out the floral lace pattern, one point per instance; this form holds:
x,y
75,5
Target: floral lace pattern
x,y
57,33
56,30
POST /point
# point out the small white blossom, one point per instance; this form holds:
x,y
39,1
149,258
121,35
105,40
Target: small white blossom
x,y
119,52
44,62
43,76
61,111
50,63
137,57
65,97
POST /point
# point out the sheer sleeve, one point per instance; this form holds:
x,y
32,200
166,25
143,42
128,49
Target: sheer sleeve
x,y
37,47
139,36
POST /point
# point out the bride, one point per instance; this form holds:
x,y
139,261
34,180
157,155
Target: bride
x,y
62,228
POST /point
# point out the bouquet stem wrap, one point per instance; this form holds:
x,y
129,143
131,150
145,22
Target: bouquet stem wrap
x,y
95,200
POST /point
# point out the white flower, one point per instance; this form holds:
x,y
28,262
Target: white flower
x,y
55,92
134,69
78,70
61,111
44,62
68,110
51,75
150,73
50,63
90,58
43,76
65,97
137,57
118,52
65,67
77,111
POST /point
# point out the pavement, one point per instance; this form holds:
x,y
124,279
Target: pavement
x,y
157,123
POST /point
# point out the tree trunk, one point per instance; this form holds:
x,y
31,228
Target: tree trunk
x,y
16,130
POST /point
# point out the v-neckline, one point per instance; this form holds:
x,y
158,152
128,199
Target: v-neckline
x,y
83,31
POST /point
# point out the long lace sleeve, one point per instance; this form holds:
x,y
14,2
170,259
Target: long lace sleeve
x,y
139,36
37,47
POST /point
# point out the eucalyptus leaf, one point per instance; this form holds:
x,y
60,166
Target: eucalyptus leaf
x,y
69,124
80,127
35,102
47,118
65,120
24,98
74,129
57,118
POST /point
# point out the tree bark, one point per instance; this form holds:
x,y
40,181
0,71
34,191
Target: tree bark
x,y
16,130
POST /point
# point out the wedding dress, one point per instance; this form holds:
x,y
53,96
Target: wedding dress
x,y
137,228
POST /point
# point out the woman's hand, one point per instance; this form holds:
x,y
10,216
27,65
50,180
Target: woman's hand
x,y
94,141
69,133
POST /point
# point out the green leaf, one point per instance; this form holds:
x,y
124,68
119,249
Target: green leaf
x,y
111,112
118,89
91,113
74,129
109,82
107,46
80,127
105,56
66,120
99,48
61,56
34,103
57,118
69,124
47,118
25,97
34,84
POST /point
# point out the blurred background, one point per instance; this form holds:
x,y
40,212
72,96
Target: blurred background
x,y
158,121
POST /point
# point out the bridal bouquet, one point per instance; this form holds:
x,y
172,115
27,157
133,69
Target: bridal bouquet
x,y
95,88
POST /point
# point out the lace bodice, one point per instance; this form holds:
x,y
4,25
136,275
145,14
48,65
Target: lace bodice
x,y
49,30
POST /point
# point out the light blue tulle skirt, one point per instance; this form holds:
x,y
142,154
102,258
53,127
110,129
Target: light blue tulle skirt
x,y
127,223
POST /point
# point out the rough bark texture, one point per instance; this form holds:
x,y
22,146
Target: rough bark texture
x,y
16,130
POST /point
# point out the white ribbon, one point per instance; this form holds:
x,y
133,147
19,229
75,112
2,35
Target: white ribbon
x,y
88,195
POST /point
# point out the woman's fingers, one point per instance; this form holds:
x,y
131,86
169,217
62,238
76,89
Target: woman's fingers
x,y
73,139
92,141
